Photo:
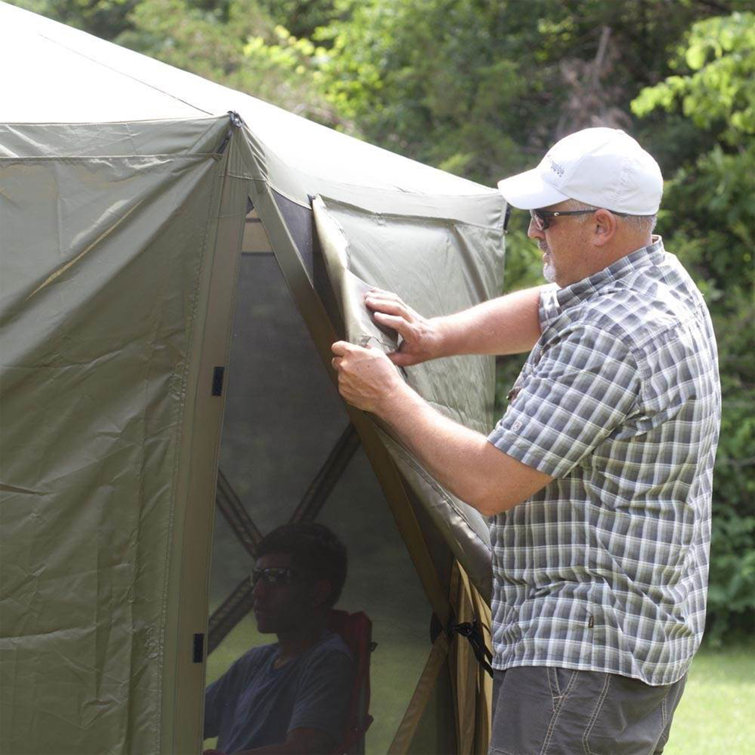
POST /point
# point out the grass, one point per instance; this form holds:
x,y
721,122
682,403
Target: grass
x,y
716,715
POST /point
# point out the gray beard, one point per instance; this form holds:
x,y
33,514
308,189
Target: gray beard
x,y
549,272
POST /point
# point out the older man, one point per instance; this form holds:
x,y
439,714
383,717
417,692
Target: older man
x,y
598,476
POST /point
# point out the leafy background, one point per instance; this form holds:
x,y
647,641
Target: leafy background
x,y
481,88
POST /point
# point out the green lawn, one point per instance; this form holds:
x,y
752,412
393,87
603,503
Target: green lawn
x,y
717,713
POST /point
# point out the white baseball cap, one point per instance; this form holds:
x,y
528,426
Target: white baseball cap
x,y
602,167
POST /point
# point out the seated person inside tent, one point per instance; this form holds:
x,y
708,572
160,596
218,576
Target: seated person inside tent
x,y
292,695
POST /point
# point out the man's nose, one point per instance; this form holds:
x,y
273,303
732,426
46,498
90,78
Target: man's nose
x,y
258,588
533,231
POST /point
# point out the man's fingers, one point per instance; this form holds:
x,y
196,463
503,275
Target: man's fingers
x,y
388,303
400,359
399,324
365,375
382,296
381,292
341,348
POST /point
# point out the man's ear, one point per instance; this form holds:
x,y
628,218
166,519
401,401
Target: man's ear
x,y
320,592
606,225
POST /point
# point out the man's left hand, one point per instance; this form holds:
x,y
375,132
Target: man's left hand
x,y
366,377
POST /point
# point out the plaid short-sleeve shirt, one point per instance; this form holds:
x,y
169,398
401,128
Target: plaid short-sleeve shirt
x,y
606,568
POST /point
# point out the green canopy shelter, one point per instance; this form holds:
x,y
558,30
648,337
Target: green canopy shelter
x,y
175,260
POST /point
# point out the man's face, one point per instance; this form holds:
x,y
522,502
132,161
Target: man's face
x,y
565,246
282,598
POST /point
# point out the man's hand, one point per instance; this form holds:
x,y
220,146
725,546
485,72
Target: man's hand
x,y
421,336
366,377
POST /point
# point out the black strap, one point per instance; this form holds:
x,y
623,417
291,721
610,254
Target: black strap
x,y
472,631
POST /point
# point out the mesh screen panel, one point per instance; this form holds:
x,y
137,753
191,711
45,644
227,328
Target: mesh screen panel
x,y
283,418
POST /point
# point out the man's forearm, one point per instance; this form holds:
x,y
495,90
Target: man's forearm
x,y
463,460
303,741
507,325
459,458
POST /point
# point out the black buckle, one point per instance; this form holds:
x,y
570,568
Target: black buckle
x,y
473,632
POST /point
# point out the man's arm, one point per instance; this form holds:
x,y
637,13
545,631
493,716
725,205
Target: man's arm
x,y
298,742
461,459
506,325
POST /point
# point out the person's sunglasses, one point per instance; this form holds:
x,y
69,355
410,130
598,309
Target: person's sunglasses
x,y
273,575
542,218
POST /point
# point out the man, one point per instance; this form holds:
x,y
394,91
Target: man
x,y
598,476
291,696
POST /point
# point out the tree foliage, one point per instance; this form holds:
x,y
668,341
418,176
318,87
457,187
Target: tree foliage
x,y
237,43
105,19
479,88
707,106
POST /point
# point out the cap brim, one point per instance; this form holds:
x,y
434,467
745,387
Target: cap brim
x,y
528,191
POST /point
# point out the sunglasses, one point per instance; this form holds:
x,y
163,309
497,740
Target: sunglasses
x,y
273,575
542,218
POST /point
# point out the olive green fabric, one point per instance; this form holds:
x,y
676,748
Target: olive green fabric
x,y
104,265
438,265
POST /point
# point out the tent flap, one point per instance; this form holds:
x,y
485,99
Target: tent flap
x,y
437,265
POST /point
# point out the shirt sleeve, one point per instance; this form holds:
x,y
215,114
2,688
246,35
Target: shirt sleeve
x,y
324,693
583,386
548,307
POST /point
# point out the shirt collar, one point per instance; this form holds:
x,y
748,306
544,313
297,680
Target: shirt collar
x,y
636,260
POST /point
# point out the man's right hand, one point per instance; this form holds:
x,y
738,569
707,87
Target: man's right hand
x,y
420,336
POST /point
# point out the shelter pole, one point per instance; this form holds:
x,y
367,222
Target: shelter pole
x,y
329,474
183,651
233,510
428,678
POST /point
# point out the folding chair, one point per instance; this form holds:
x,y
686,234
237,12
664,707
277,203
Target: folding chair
x,y
356,631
